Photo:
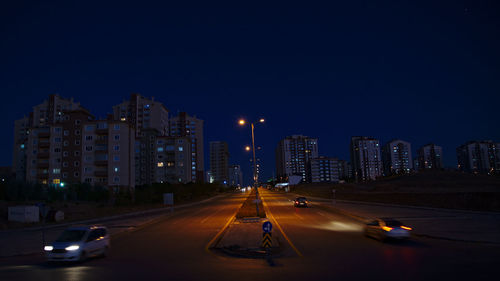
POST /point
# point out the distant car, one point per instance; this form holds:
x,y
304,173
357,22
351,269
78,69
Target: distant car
x,y
300,202
79,243
385,228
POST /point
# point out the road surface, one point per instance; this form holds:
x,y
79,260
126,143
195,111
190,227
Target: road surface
x,y
327,246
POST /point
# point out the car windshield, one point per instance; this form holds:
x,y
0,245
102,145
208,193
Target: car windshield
x,y
71,235
301,199
393,223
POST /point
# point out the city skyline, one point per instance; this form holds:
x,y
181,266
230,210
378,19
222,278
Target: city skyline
x,y
387,73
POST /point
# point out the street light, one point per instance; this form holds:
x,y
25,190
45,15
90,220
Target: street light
x,y
242,122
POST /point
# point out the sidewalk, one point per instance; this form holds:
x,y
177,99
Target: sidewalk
x,y
448,224
30,240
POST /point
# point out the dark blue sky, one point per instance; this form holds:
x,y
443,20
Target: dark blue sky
x,y
422,71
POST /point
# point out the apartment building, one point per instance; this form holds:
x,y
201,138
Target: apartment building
x,y
365,158
430,157
235,176
397,157
345,170
141,113
43,116
293,156
173,156
479,157
184,125
325,169
219,161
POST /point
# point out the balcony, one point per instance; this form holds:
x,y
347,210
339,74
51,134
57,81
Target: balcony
x,y
101,163
101,131
101,141
44,144
42,165
42,176
101,173
44,135
43,155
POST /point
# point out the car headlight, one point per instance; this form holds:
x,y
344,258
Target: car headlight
x,y
72,248
48,248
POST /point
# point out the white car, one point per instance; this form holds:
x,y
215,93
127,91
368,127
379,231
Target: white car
x,y
385,228
79,243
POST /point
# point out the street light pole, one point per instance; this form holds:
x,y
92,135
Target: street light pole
x,y
254,161
255,183
255,176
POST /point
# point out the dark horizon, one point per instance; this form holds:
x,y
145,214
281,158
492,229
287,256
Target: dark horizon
x,y
421,72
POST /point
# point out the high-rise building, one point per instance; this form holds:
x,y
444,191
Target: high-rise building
x,y
43,115
479,157
345,170
51,110
293,156
235,176
219,161
173,156
184,125
80,149
162,159
397,157
324,169
142,113
430,157
21,134
365,158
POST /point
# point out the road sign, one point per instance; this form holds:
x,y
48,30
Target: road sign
x,y
267,227
266,240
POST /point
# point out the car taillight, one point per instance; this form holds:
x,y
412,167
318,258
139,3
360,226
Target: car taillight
x,y
297,202
386,228
406,227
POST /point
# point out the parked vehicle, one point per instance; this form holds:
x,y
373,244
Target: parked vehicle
x,y
79,243
385,228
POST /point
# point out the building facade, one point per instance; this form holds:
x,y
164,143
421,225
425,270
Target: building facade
x,y
430,157
235,176
293,156
43,115
184,125
345,170
142,113
479,157
80,149
365,158
397,157
325,169
219,161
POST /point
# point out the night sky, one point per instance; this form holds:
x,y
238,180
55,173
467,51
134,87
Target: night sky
x,y
421,71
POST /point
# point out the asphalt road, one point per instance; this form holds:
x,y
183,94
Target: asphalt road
x,y
327,246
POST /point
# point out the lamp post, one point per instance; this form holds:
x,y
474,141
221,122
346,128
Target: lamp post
x,y
242,122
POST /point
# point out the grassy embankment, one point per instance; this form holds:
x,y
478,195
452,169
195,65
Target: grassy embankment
x,y
81,202
248,209
451,190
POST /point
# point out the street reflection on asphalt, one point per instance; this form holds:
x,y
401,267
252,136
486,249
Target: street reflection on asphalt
x,y
340,226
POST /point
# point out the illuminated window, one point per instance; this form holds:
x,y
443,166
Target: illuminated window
x,y
160,164
56,181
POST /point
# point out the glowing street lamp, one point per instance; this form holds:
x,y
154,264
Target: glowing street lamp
x,y
242,122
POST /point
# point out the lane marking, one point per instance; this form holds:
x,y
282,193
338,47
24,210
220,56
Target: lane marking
x,y
207,247
268,211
